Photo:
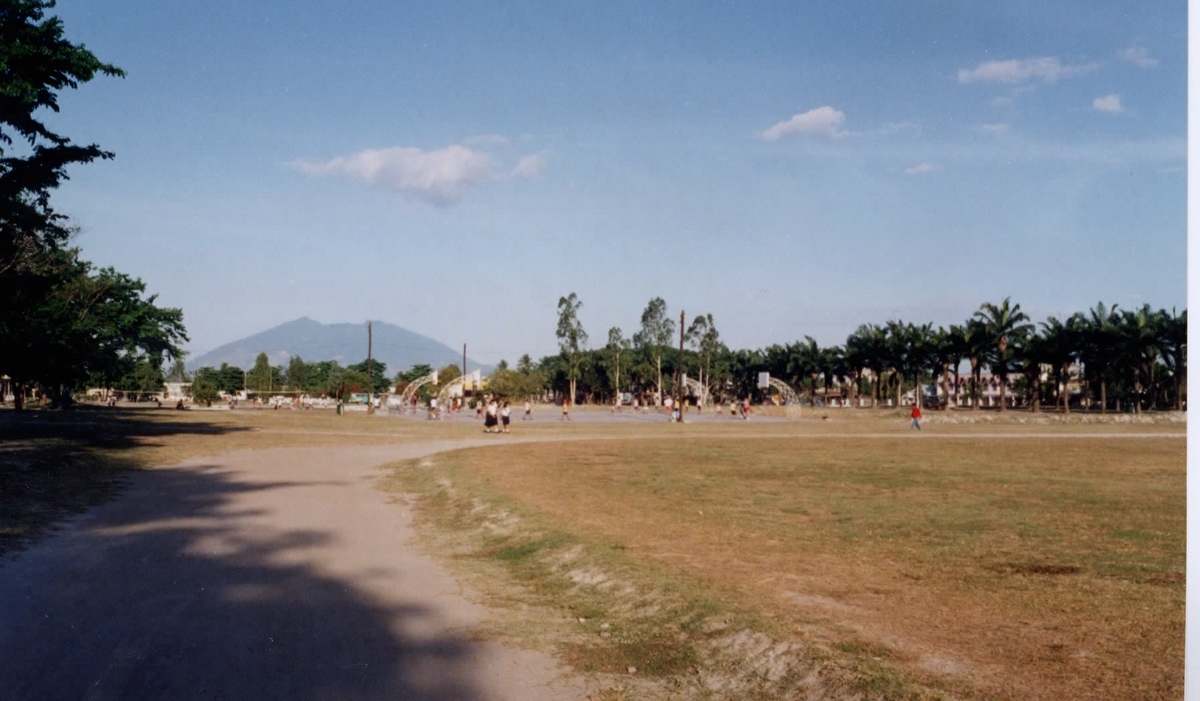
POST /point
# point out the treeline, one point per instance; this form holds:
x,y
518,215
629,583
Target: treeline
x,y
326,378
1131,359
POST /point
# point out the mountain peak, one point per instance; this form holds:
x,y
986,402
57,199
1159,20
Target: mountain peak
x,y
346,343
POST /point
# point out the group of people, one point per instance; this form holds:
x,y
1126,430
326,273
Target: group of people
x,y
496,417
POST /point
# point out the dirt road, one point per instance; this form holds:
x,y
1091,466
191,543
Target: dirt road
x,y
271,574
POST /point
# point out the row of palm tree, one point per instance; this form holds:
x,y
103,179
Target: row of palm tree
x,y
1139,352
1109,357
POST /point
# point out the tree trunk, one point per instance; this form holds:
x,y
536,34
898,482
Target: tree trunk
x,y
18,395
1035,391
1103,396
899,386
975,378
658,364
572,392
944,402
1066,389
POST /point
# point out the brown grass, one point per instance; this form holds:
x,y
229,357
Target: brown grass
x,y
1015,568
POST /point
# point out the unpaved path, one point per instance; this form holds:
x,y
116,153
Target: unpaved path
x,y
269,574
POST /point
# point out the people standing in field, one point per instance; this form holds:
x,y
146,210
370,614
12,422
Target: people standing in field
x,y
504,416
916,417
490,422
528,412
566,415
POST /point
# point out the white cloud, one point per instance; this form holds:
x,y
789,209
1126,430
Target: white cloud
x,y
822,121
994,129
1048,69
1108,103
440,177
1002,101
922,169
531,166
487,140
1138,56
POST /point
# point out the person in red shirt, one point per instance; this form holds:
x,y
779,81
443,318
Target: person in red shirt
x,y
916,417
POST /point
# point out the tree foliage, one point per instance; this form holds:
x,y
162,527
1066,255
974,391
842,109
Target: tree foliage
x,y
61,323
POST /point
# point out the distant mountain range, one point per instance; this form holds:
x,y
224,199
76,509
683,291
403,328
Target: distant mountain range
x,y
346,343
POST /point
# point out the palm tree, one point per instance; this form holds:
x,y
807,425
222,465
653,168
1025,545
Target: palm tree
x,y
810,358
977,347
1173,341
957,349
1031,354
1001,321
1062,348
898,349
866,349
922,354
1139,350
1100,347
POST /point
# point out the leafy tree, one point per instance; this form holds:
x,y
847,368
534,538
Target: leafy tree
x,y
352,382
325,378
204,388
655,337
416,372
378,374
448,374
60,321
297,374
177,373
702,334
37,63
85,326
572,339
259,378
617,345
232,379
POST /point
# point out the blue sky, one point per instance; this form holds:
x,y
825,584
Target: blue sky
x,y
793,169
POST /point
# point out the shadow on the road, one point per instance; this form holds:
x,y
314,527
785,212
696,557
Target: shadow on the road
x,y
105,427
55,464
157,596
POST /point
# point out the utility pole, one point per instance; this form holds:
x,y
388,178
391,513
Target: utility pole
x,y
679,368
370,375
464,381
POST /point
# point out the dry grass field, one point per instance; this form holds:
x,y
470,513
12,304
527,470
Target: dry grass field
x,y
988,557
989,566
